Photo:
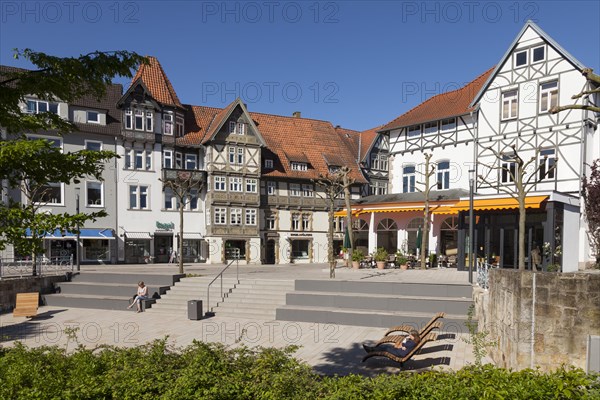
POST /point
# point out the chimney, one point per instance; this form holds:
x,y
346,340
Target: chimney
x,y
297,114
337,127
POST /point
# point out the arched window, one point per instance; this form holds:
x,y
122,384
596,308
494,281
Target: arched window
x,y
387,225
360,225
449,224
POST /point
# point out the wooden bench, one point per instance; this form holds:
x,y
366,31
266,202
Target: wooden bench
x,y
401,360
27,305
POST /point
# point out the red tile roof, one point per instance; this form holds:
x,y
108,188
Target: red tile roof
x,y
444,105
157,82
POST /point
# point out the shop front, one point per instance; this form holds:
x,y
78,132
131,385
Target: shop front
x,y
96,244
137,248
195,248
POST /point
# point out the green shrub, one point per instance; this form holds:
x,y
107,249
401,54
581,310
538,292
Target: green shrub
x,y
212,371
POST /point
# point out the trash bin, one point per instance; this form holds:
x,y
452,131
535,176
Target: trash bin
x,y
194,309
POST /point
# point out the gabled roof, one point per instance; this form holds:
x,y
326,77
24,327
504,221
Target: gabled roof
x,y
223,115
367,141
157,83
444,105
511,48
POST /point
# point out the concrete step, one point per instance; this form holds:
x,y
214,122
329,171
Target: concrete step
x,y
107,289
88,301
392,288
127,278
379,302
248,314
331,315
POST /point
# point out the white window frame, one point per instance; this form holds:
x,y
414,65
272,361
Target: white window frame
x,y
251,185
87,201
169,196
305,222
548,92
128,120
168,156
516,55
271,188
271,222
138,114
299,166
235,216
295,190
413,131
193,197
533,51
250,216
178,160
449,126
548,163
268,163
220,183
409,179
443,175
139,193
508,165
236,184
89,120
240,156
86,142
307,190
149,120
232,152
37,102
191,159
296,222
61,201
427,127
179,125
510,98
168,124
220,215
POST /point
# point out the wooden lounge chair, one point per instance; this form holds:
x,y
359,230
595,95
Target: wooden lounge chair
x,y
399,338
408,328
26,305
401,360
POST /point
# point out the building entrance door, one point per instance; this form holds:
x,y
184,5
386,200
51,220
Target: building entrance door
x,y
270,252
163,246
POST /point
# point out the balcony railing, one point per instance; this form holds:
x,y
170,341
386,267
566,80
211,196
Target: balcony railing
x,y
293,201
172,174
237,197
139,136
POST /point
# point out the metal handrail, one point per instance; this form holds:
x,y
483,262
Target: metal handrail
x,y
46,266
220,274
483,269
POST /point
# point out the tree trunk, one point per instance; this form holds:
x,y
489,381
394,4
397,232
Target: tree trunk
x,y
522,217
348,212
425,236
180,244
330,256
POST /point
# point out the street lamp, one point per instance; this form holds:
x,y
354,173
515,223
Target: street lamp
x,y
78,247
471,223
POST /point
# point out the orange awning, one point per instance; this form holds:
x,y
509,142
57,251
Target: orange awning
x,y
499,204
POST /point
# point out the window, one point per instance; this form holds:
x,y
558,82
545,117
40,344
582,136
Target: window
x,y
430,127
51,193
149,118
168,124
220,216
270,218
240,155
521,58
193,200
237,128
128,161
305,222
295,222
92,145
414,130
93,117
380,162
268,163
300,248
167,158
548,96
138,197
139,159
191,161
139,120
508,168
408,179
235,216
250,217
236,155
170,200
178,160
443,175
375,162
128,119
299,166
509,104
251,185
307,190
235,184
179,125
538,54
448,124
295,189
378,188
93,192
40,106
148,159
220,183
232,155
547,161
271,188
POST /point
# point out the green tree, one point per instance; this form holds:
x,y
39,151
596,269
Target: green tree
x,y
591,201
30,165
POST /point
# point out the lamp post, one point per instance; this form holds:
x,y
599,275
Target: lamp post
x,y
78,247
471,223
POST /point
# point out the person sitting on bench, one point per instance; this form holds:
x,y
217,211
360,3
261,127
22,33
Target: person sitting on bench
x,y
400,349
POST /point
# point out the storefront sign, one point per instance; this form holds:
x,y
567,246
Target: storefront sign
x,y
165,225
301,234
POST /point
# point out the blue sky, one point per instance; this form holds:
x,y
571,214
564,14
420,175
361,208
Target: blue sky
x,y
357,64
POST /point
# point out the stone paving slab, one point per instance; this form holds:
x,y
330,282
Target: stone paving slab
x,y
329,349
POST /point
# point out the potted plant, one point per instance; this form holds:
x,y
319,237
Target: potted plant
x,y
357,257
380,257
401,260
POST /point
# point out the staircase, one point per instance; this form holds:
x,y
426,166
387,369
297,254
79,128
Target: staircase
x,y
174,301
376,304
255,299
106,291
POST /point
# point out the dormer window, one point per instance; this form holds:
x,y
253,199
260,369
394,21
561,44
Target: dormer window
x,y
168,124
179,125
448,124
237,128
41,106
93,117
414,130
139,120
268,163
299,166
430,127
334,169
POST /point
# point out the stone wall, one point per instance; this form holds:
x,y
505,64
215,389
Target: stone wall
x,y
540,319
10,287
